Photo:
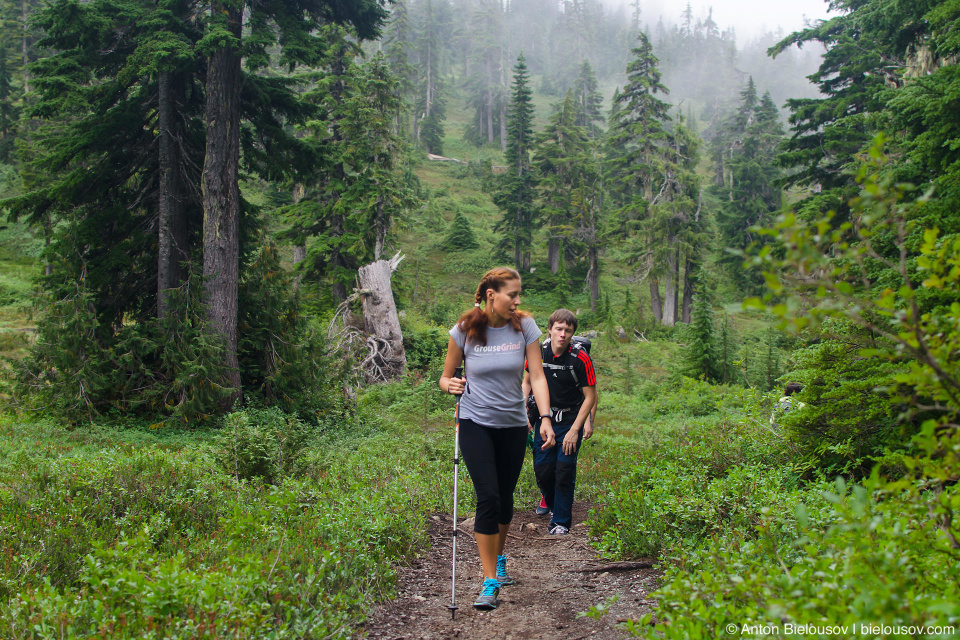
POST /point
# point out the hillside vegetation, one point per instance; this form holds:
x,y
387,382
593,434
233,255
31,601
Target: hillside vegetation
x,y
187,451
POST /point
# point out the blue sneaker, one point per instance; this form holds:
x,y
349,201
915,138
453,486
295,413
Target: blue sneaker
x,y
488,595
502,576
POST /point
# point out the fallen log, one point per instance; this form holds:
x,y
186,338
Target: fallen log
x,y
433,156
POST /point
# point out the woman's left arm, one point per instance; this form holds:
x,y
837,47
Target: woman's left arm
x,y
540,392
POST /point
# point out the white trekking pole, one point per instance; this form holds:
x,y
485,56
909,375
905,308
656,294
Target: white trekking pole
x,y
458,373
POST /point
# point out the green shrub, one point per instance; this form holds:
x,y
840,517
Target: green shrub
x,y
853,411
841,556
423,346
262,443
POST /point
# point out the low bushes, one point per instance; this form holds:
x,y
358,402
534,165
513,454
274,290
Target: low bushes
x,y
262,530
746,544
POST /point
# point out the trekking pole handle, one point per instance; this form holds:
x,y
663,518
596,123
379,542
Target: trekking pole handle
x,y
458,373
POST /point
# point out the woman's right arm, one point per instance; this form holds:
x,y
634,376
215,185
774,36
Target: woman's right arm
x,y
449,384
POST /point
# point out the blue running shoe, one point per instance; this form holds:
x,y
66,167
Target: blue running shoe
x,y
488,595
502,577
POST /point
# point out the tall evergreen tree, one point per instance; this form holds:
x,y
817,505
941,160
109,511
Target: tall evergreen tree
x,y
133,116
352,196
638,147
9,110
515,195
487,94
399,46
751,195
589,101
563,154
290,21
700,354
430,104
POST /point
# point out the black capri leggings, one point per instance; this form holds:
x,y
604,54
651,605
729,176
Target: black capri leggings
x,y
494,458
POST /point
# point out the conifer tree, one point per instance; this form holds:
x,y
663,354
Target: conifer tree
x,y
460,237
561,152
487,94
132,119
430,104
638,159
752,195
700,352
589,101
9,111
399,44
351,198
515,195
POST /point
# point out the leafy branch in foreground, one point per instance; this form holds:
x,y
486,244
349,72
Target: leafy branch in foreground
x,y
899,282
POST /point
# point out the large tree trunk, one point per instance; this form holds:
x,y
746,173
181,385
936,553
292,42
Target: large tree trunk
x,y
381,224
24,46
687,290
171,227
518,252
380,320
337,260
488,106
299,250
503,127
221,195
670,288
593,275
553,255
655,303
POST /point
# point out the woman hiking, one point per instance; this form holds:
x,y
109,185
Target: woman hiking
x,y
492,341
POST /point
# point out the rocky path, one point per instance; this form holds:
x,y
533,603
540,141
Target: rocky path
x,y
557,578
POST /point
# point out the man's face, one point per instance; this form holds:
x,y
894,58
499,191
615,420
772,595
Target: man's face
x,y
560,335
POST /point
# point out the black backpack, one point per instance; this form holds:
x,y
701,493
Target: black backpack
x,y
532,413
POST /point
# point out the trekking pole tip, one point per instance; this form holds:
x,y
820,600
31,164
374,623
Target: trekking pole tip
x,y
453,611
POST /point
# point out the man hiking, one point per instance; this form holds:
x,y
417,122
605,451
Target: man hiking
x,y
573,394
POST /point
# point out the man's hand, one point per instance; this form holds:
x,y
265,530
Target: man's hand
x,y
546,434
570,442
587,430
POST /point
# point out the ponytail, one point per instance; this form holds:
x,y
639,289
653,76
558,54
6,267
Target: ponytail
x,y
474,322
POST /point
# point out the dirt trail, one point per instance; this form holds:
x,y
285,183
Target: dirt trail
x,y
557,578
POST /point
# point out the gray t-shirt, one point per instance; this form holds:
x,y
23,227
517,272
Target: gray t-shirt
x,y
494,373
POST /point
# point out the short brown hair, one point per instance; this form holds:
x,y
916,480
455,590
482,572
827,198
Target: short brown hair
x,y
792,388
562,315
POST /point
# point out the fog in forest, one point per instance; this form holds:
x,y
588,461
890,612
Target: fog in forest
x,y
750,18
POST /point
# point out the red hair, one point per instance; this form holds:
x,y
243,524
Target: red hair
x,y
474,322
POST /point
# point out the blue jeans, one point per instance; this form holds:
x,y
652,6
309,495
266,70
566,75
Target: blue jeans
x,y
556,473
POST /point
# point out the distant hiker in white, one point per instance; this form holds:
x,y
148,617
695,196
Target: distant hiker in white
x,y
786,403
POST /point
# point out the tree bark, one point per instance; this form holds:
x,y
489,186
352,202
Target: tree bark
x,y
517,252
380,319
489,100
221,195
687,290
25,49
655,303
670,288
553,255
337,260
171,226
593,275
